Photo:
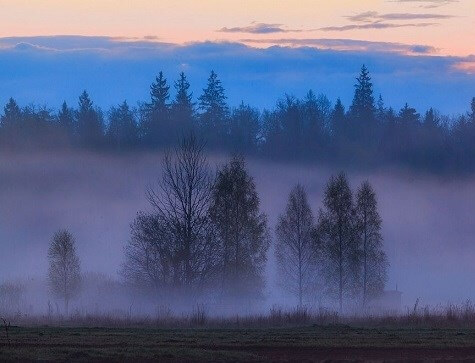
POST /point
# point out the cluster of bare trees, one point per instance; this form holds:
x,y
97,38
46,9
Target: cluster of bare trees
x,y
205,233
202,230
342,249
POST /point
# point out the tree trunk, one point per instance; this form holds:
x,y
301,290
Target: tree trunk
x,y
365,266
299,244
340,252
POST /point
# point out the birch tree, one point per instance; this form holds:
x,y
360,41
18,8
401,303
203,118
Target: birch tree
x,y
294,248
336,238
64,275
373,260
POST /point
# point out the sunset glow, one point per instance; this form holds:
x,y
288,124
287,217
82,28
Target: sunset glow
x,y
447,26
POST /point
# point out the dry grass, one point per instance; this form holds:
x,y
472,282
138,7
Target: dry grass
x,y
448,316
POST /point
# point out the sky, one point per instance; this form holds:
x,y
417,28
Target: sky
x,y
447,25
419,51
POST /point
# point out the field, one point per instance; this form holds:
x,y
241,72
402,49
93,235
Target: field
x,y
310,343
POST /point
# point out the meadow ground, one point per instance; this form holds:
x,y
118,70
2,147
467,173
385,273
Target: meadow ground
x,y
310,343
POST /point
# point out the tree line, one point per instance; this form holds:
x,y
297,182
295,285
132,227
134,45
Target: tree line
x,y
367,133
206,234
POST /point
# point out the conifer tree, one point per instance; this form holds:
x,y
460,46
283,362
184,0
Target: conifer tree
x,y
65,119
472,113
316,113
338,121
244,129
214,110
409,116
362,108
122,130
156,116
381,109
159,94
431,120
11,114
89,122
183,107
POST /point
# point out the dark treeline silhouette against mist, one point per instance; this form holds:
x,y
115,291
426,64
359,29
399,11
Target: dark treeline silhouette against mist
x,y
315,129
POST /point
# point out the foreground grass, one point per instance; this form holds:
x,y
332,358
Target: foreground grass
x,y
311,343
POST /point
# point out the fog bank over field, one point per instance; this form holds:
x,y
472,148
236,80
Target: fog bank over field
x,y
428,222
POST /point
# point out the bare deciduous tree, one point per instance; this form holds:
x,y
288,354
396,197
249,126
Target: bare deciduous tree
x,y
240,231
294,248
171,247
64,268
373,260
148,262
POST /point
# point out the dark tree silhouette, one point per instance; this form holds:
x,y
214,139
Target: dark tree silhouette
x,y
64,274
316,115
182,107
181,201
338,122
373,260
336,237
244,129
307,129
409,116
214,111
240,230
380,109
294,249
122,131
89,122
65,120
362,108
159,94
156,113
11,114
472,110
363,127
150,262
342,140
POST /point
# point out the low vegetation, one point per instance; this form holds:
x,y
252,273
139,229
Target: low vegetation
x,y
442,332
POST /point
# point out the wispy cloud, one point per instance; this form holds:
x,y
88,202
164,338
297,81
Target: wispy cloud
x,y
427,4
376,25
347,45
26,46
467,65
259,28
77,43
376,20
372,16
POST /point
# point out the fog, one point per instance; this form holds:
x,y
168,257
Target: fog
x,y
428,221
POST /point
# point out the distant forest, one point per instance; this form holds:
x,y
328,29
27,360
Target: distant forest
x,y
313,129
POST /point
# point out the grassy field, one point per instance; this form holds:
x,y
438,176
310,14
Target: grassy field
x,y
312,343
